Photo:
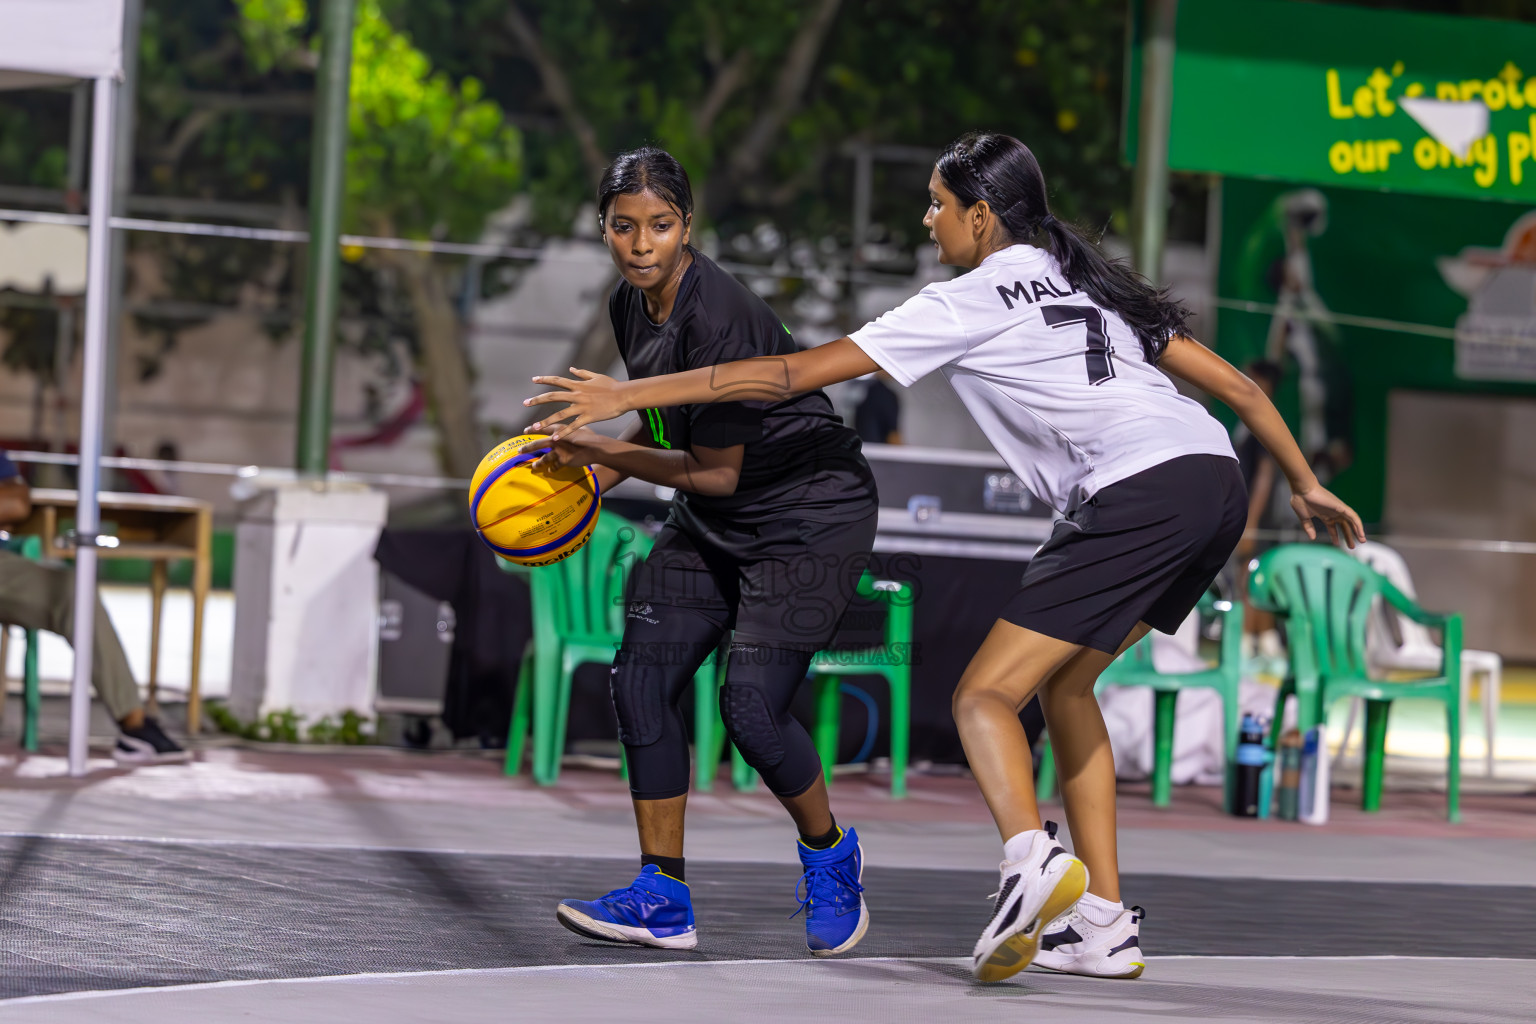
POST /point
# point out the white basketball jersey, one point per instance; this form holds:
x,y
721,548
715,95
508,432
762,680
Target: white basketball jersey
x,y
1059,384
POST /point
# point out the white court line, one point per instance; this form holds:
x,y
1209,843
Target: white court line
x,y
665,965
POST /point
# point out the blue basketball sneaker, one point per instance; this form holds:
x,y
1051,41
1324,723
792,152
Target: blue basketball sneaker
x,y
833,901
654,910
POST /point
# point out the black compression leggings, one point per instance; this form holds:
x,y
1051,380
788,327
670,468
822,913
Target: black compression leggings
x,y
659,656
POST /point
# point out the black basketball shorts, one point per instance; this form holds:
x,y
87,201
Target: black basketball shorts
x,y
1144,549
781,584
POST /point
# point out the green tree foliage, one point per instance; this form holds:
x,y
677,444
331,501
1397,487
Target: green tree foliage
x,y
429,157
707,81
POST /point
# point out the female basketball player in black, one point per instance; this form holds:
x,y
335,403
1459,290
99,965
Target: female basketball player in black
x,y
769,532
1056,353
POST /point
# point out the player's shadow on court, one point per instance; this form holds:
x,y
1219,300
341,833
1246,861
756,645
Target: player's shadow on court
x,y
441,881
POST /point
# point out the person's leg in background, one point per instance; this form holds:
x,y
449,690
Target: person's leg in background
x,y
38,595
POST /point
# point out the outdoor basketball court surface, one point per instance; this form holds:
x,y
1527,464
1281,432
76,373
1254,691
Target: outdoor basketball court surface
x,y
390,887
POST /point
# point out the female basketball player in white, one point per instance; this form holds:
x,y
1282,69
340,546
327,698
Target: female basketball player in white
x,y
1056,352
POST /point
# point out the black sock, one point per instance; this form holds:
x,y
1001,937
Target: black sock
x,y
666,865
826,840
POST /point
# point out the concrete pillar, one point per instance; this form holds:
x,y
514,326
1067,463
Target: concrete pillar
x,y
306,601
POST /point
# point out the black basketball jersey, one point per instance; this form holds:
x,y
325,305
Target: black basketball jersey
x,y
799,460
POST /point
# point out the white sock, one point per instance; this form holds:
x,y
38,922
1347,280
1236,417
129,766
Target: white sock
x,y
1098,910
1019,846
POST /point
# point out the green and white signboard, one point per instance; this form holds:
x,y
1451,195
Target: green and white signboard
x,y
1346,96
1379,217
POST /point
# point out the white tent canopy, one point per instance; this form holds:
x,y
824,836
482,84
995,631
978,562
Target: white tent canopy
x,y
53,42
50,42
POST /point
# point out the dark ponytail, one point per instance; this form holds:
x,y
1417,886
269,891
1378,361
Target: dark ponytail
x,y
647,169
1002,170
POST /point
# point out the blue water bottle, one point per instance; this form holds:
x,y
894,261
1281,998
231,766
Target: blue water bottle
x,y
1252,758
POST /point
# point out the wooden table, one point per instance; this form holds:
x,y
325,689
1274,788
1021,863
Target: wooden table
x,y
158,528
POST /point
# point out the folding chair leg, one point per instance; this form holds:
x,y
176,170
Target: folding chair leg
x,y
708,727
32,697
1349,729
522,705
1376,713
743,775
901,734
1165,704
1045,785
828,721
546,693
1491,688
1453,763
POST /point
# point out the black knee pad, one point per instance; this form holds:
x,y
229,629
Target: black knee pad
x,y
638,686
759,685
752,724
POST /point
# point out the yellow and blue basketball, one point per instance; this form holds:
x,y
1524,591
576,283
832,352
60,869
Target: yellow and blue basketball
x,y
532,518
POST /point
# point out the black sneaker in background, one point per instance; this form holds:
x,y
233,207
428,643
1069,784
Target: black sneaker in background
x,y
148,744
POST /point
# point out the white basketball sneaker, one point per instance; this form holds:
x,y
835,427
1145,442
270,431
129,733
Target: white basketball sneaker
x,y
1037,888
1073,944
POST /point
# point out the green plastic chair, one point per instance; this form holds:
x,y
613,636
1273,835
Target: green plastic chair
x,y
1325,598
578,618
892,660
1134,668
28,547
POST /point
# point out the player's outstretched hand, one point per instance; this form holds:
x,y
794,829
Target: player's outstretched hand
x,y
590,397
1337,517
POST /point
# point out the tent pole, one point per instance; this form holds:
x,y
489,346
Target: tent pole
x,y
122,178
327,183
1149,188
93,394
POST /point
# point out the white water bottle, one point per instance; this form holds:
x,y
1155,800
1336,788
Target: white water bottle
x,y
1314,776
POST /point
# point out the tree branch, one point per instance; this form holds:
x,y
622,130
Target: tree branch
x,y
729,79
794,74
559,89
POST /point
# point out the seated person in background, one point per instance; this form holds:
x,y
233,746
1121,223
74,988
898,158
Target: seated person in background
x,y
41,595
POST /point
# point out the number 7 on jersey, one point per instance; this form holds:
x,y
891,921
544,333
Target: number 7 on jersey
x,y
1101,366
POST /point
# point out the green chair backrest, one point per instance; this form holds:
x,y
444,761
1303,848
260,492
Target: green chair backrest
x,y
1325,596
583,595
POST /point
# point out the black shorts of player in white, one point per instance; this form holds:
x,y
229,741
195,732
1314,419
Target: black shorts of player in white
x,y
1143,549
782,586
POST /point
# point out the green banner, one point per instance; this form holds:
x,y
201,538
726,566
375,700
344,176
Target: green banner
x,y
1357,98
1357,294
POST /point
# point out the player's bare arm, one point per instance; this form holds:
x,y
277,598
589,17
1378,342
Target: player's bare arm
x,y
1188,359
594,397
607,477
699,470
